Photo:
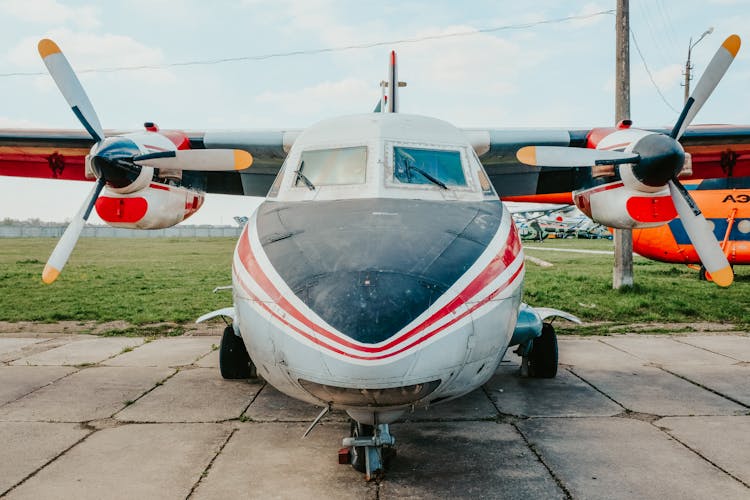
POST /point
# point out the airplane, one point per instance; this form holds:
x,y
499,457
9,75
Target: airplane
x,y
726,205
382,272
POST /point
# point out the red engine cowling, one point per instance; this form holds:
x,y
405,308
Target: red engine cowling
x,y
632,201
156,206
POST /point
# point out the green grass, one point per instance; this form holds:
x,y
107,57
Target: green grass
x,y
137,280
147,281
582,284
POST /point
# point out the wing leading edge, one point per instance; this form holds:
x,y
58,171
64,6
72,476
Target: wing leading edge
x,y
717,151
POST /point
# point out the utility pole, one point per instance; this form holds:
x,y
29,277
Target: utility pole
x,y
622,273
688,66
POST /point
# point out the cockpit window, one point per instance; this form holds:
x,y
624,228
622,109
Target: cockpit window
x,y
333,166
428,166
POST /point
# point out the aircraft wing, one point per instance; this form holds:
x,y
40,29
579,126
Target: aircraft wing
x,y
717,151
60,154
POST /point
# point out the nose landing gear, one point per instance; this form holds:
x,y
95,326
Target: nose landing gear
x,y
370,448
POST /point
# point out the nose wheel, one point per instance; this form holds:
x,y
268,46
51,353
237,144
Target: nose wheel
x,y
370,448
234,361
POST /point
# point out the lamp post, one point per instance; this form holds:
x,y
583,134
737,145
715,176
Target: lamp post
x,y
688,67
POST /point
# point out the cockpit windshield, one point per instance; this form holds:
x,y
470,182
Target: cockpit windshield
x,y
428,166
332,166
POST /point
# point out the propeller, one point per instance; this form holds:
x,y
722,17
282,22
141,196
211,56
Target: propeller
x,y
117,161
656,160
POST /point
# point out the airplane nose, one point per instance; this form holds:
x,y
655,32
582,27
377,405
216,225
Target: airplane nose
x,y
370,267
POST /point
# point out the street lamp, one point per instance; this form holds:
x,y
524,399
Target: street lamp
x,y
688,67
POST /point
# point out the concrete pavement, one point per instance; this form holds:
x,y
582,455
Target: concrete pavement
x,y
627,417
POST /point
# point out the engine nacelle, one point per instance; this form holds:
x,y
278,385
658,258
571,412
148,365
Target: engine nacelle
x,y
155,207
618,205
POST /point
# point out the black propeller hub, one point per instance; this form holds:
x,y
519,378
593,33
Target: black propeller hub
x,y
662,158
112,161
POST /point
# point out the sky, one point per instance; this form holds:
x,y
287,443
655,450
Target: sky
x,y
548,74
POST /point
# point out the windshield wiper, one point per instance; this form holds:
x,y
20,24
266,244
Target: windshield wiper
x,y
304,178
424,174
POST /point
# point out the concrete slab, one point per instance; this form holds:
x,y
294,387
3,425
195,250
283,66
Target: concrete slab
x,y
647,389
18,381
193,395
564,395
270,461
736,347
665,350
592,352
625,458
130,461
465,460
715,438
473,406
167,352
732,381
92,393
80,352
27,446
40,344
273,406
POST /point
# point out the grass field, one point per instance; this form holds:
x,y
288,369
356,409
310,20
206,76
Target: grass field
x,y
146,281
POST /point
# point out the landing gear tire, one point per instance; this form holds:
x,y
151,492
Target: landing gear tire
x,y
358,452
702,274
543,355
234,361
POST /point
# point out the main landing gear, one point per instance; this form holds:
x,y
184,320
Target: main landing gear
x,y
234,361
368,449
541,361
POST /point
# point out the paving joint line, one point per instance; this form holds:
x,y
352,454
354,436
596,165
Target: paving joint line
x,y
531,447
43,386
717,466
210,463
706,349
157,384
598,390
53,459
539,457
706,388
262,387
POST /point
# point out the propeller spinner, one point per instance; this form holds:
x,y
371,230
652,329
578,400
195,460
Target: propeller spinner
x,y
117,160
657,160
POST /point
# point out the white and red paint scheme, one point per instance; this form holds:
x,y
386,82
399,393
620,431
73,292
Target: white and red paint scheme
x,y
624,200
153,199
447,347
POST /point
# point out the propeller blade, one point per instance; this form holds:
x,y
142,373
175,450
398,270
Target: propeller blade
x,y
701,236
207,160
560,156
67,242
708,82
60,70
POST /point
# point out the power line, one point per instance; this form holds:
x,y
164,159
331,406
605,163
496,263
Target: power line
x,y
648,71
261,57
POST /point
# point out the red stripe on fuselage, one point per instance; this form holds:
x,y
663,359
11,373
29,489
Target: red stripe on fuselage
x,y
499,263
382,356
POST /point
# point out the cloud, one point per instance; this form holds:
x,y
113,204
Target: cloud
x,y
50,12
91,50
328,97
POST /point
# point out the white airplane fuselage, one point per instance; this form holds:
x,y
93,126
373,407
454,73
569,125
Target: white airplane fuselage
x,y
362,284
